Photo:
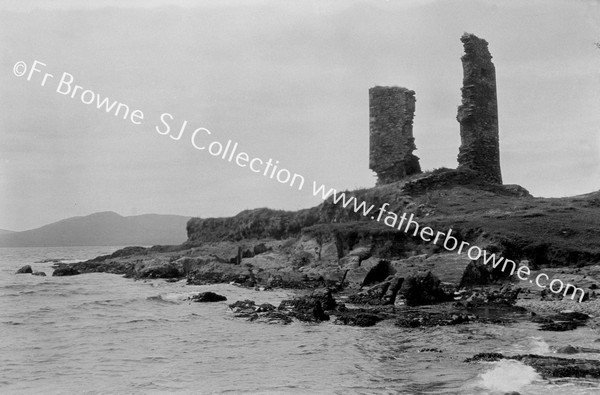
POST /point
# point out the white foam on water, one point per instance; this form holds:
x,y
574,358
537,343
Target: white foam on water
x,y
508,375
176,296
539,346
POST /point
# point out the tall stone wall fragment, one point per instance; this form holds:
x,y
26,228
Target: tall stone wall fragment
x,y
391,111
478,113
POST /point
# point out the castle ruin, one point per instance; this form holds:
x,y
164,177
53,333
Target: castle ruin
x,y
478,113
391,111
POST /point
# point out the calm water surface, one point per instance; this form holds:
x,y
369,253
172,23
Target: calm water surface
x,y
104,334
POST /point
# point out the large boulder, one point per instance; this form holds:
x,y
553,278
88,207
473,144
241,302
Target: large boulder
x,y
25,270
423,288
205,297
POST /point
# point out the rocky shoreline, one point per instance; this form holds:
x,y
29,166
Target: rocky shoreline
x,y
350,270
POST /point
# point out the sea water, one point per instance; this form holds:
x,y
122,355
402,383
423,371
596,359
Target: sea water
x,y
104,334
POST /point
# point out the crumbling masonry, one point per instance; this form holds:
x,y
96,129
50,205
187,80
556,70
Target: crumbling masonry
x,y
391,122
478,113
391,111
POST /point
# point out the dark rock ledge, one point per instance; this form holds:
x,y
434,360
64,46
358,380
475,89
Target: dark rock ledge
x,y
321,306
65,270
206,297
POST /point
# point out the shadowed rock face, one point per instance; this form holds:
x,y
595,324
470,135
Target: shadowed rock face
x,y
478,113
25,270
392,111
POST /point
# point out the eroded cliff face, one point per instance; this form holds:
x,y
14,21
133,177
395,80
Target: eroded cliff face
x,y
392,143
478,113
251,224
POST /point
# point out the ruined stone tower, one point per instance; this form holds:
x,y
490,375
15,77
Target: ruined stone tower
x,y
478,113
391,111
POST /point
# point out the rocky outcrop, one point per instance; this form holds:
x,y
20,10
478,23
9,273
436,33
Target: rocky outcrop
x,y
391,111
205,297
157,269
313,308
384,293
445,317
569,349
25,270
41,274
478,113
495,295
65,271
423,288
265,312
307,309
322,254
310,308
561,322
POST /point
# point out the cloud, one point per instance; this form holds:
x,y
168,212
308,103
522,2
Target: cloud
x,y
320,6
285,80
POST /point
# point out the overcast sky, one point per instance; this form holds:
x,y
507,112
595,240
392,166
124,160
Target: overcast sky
x,y
286,80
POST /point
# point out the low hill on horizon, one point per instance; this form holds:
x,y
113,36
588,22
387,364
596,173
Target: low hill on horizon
x,y
104,228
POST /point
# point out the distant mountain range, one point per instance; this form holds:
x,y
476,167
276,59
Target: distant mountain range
x,y
105,228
